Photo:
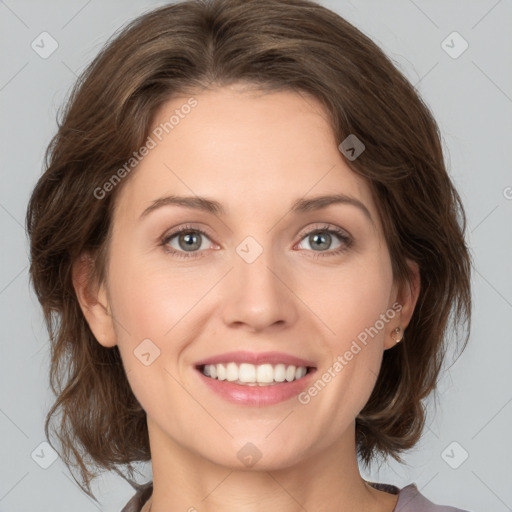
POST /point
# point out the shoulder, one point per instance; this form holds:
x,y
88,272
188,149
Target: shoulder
x,y
410,499
139,499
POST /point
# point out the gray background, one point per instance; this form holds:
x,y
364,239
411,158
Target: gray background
x,y
471,98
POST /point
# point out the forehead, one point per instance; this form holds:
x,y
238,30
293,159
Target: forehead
x,y
253,151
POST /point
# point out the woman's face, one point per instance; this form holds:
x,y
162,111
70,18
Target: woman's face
x,y
266,276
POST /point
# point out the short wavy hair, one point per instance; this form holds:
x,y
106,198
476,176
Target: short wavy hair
x,y
282,45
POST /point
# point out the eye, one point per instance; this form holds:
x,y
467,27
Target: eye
x,y
191,242
322,239
186,242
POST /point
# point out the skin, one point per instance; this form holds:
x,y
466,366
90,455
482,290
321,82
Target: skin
x,y
256,153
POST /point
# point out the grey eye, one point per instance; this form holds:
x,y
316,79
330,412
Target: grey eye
x,y
320,240
188,241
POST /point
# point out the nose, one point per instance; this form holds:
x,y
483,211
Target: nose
x,y
259,295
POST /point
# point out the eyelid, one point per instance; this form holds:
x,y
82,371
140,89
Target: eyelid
x,y
325,226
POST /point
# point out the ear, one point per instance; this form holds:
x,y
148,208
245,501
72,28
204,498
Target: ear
x,y
406,296
93,301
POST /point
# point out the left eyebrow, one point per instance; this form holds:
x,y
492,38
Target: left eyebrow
x,y
195,202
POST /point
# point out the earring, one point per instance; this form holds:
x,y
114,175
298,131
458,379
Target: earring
x,y
395,334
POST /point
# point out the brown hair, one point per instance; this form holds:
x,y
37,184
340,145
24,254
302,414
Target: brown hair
x,y
293,45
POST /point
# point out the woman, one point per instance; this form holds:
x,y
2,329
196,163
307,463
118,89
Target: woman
x,y
254,251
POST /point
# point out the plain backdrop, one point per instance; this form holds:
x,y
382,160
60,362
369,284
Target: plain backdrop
x,y
464,458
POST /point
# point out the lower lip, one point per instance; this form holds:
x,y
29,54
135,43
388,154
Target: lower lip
x,y
257,396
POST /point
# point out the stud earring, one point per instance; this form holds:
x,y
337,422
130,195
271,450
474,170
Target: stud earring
x,y
395,334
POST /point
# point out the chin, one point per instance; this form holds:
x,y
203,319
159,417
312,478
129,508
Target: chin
x,y
258,454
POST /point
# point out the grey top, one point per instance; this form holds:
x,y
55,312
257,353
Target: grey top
x,y
409,499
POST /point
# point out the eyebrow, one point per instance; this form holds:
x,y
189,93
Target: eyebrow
x,y
299,206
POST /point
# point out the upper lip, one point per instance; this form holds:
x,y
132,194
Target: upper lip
x,y
256,359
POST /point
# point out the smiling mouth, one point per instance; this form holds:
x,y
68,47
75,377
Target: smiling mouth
x,y
247,374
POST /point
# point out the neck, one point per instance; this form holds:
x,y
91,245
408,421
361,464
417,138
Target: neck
x,y
329,480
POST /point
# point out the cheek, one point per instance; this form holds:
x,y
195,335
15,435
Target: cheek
x,y
356,307
351,300
155,322
150,300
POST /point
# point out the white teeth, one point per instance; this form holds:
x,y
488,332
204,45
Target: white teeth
x,y
300,372
280,373
252,375
221,371
231,372
246,372
290,373
265,373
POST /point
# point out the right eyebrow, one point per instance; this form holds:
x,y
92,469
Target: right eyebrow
x,y
318,202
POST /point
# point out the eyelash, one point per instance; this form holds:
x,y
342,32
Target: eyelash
x,y
342,235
